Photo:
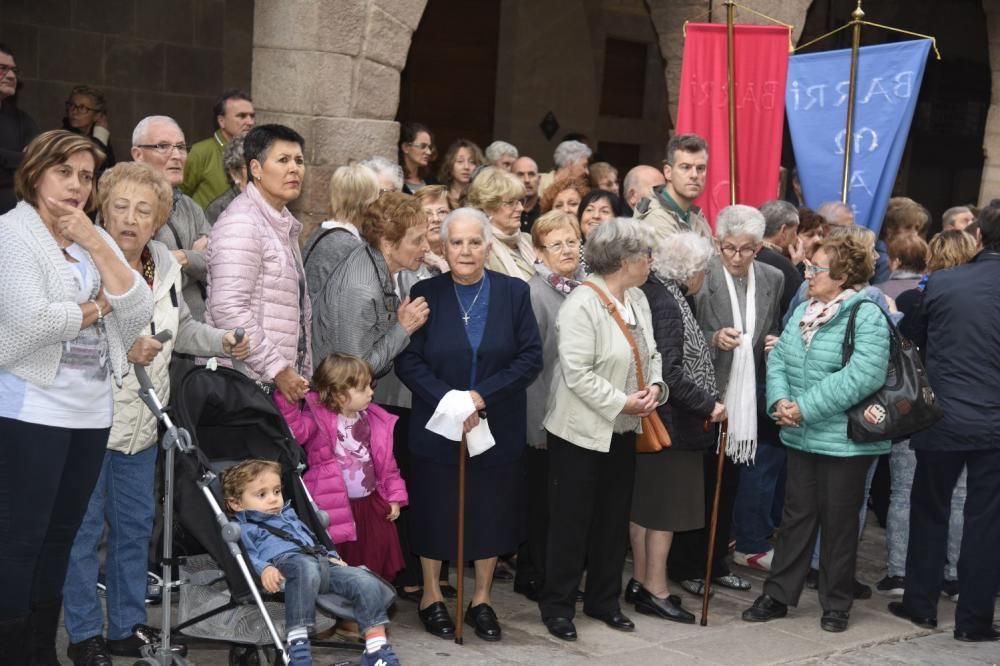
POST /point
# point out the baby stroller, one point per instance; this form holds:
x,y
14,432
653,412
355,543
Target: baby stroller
x,y
225,417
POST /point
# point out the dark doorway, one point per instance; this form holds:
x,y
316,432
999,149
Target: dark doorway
x,y
450,79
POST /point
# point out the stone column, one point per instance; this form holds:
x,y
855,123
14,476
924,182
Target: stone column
x,y
330,69
989,188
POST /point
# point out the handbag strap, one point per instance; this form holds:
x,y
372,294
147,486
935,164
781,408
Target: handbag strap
x,y
895,343
613,310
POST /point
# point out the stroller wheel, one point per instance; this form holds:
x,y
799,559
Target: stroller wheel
x,y
252,655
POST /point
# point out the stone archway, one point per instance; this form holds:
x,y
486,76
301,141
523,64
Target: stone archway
x,y
330,69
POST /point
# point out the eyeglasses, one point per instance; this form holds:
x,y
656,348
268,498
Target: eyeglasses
x,y
439,214
745,251
8,68
563,245
513,202
79,108
812,269
165,148
426,147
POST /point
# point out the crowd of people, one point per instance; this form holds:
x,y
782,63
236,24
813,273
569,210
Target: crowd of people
x,y
538,317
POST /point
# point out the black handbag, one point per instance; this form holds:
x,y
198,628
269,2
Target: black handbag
x,y
905,404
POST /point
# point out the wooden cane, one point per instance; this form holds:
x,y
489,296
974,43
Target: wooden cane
x,y
459,584
714,524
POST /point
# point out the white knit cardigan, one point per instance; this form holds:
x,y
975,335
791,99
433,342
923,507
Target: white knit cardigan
x,y
38,309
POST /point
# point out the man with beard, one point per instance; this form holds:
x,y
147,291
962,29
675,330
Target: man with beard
x,y
671,209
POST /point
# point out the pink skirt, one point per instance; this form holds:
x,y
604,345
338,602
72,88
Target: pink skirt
x,y
377,545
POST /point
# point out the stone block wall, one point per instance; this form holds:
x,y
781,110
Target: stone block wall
x,y
330,69
990,185
147,56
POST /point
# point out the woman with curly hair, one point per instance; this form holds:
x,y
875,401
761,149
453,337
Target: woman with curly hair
x,y
564,194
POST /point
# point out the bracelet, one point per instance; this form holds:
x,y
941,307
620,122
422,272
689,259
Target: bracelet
x,y
100,313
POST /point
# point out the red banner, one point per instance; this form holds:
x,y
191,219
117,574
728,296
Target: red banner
x,y
761,66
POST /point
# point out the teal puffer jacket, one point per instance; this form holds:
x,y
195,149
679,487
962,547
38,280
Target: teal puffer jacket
x,y
823,388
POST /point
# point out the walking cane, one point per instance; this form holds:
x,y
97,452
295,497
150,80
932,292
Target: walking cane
x,y
461,542
723,435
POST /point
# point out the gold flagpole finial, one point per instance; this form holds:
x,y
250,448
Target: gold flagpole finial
x,y
858,14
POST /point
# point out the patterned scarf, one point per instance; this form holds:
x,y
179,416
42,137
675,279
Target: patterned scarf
x,y
563,285
697,357
818,313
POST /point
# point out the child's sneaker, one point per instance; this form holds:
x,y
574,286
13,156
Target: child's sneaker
x,y
384,656
299,653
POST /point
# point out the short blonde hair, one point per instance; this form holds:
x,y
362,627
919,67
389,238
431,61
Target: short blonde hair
x,y
949,249
599,170
432,193
352,189
237,477
138,173
50,149
493,186
552,221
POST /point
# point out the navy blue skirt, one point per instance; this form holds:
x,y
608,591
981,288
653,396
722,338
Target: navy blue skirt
x,y
495,508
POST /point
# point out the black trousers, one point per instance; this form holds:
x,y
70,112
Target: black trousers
x,y
688,549
590,494
531,554
979,562
822,492
47,475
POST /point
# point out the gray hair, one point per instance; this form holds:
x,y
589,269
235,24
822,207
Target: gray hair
x,y
468,214
382,166
142,129
679,256
498,149
232,156
831,210
739,220
948,217
613,243
570,151
777,214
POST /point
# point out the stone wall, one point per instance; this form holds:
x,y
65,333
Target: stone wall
x,y
330,69
147,56
990,185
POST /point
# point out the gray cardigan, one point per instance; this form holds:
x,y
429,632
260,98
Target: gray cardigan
x,y
545,302
187,223
38,309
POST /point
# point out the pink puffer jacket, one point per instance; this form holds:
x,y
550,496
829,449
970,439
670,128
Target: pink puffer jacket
x,y
316,429
254,277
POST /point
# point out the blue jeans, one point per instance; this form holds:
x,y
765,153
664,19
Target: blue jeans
x,y
307,576
902,465
124,498
753,519
861,516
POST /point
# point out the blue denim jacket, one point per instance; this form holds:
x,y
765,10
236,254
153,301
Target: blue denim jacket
x,y
262,546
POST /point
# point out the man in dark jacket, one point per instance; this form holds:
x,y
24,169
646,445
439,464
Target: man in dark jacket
x,y
17,129
959,304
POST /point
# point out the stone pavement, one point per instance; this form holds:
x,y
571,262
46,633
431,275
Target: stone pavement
x,y
874,637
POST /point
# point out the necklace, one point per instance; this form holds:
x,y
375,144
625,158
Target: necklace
x,y
465,312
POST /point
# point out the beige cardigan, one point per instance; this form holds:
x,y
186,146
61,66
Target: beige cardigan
x,y
594,357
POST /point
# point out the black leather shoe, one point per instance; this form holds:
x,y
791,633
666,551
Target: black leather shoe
x,y
991,634
532,589
90,652
632,590
617,620
764,609
835,621
502,572
483,619
410,595
899,610
437,621
862,591
561,627
647,604
448,591
142,635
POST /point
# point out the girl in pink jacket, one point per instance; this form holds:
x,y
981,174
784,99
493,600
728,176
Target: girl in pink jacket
x,y
352,473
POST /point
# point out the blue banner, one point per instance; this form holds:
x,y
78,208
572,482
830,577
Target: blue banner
x,y
888,84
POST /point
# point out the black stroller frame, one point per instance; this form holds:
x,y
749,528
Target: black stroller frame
x,y
192,473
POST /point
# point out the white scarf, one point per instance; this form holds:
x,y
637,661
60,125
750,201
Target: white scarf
x,y
741,392
505,245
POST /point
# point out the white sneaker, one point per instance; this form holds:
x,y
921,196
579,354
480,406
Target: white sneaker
x,y
759,561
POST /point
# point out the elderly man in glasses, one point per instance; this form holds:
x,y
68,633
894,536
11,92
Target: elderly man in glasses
x,y
159,142
17,129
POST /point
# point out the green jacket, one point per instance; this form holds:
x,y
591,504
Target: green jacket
x,y
823,388
204,177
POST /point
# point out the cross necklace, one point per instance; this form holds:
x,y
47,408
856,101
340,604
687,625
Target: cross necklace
x,y
465,312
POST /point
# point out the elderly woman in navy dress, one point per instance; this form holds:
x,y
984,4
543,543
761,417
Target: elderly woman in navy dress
x,y
481,337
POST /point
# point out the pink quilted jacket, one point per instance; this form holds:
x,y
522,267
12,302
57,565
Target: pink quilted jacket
x,y
316,429
254,276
